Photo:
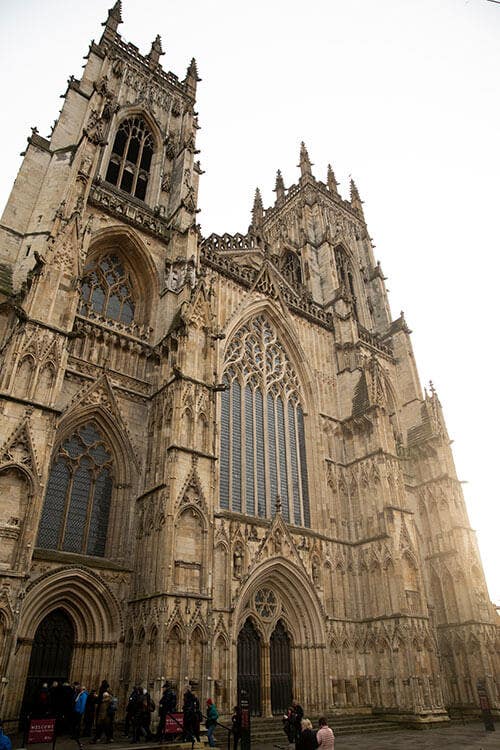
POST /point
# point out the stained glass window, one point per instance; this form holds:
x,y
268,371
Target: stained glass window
x,y
130,160
76,509
106,290
262,429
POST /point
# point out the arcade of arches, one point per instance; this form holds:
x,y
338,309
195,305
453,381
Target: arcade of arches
x,y
217,462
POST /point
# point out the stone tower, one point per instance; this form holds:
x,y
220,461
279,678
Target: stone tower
x,y
217,463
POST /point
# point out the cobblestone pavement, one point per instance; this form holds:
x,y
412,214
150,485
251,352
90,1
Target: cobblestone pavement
x,y
469,737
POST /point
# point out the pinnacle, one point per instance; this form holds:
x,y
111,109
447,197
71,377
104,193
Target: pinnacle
x,y
305,162
331,182
257,210
279,187
156,50
114,16
193,69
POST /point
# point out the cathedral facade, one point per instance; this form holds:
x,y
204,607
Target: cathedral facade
x,y
217,462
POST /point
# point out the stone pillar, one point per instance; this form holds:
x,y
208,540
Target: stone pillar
x,y
265,679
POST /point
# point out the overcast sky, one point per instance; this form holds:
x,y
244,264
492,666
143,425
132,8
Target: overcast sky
x,y
402,94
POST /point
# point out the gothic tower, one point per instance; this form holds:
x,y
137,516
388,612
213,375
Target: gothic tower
x,y
217,463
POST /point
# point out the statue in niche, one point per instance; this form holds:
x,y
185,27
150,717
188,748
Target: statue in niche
x,y
315,572
237,562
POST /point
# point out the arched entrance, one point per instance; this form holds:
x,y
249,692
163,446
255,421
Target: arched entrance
x,y
249,665
51,654
281,670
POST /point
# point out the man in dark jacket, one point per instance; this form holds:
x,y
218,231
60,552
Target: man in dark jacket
x,y
192,716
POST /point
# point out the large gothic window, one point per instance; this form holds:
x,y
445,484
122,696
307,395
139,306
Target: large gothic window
x,y
106,290
76,509
130,159
263,452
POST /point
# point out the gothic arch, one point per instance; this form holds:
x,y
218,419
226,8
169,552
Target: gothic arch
x,y
124,242
86,598
127,112
124,467
298,598
288,337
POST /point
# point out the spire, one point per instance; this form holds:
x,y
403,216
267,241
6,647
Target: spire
x,y
279,188
156,51
192,78
356,202
305,162
331,181
113,20
257,210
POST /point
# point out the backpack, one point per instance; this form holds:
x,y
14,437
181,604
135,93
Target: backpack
x,y
113,706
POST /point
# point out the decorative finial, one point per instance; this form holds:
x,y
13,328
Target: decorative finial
x,y
156,51
257,210
192,77
331,181
305,162
356,201
279,506
279,188
113,20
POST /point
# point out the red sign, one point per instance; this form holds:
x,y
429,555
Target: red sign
x,y
41,730
171,726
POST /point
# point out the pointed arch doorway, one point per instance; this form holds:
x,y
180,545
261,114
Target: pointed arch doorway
x,y
281,669
51,655
249,665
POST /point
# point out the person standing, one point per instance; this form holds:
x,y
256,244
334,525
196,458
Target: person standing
x,y
211,721
78,712
324,735
236,726
5,743
104,719
89,714
307,739
295,720
191,716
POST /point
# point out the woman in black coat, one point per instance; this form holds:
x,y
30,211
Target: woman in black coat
x,y
307,738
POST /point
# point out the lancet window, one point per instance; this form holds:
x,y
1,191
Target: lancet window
x,y
345,274
263,454
106,290
130,159
77,502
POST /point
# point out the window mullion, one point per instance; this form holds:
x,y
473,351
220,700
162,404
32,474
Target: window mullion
x,y
74,466
299,468
288,461
243,455
137,166
230,467
124,160
90,506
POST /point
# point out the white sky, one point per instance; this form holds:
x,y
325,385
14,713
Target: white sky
x,y
402,94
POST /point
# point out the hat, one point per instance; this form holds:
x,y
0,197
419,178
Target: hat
x,y
209,701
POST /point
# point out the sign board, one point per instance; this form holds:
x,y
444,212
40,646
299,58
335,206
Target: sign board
x,y
41,730
171,726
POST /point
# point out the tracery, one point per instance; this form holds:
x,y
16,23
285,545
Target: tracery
x,y
130,159
262,432
77,502
107,290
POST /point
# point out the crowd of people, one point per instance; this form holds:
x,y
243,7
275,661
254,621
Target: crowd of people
x,y
91,713
78,712
300,731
